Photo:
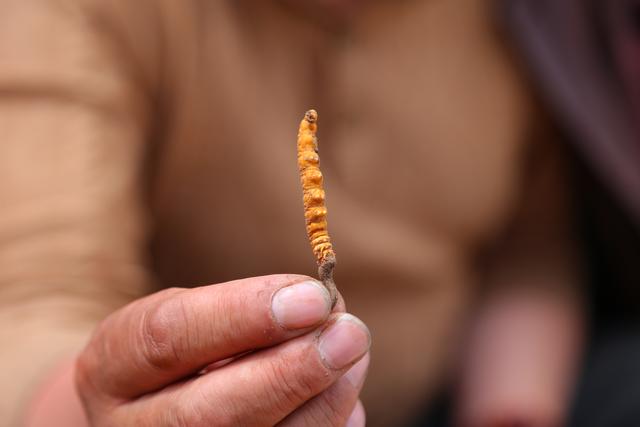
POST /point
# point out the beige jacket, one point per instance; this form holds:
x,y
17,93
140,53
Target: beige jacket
x,y
151,143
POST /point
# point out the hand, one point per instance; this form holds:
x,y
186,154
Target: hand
x,y
520,364
253,352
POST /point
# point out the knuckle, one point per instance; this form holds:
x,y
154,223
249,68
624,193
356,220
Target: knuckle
x,y
89,376
87,367
161,346
322,417
213,412
82,375
181,418
293,386
331,411
203,410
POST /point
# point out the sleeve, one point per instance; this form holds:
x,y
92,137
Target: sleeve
x,y
73,130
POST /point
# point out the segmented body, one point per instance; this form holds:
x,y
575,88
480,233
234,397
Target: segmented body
x,y
315,211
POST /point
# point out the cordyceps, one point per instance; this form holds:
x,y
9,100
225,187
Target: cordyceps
x,y
315,211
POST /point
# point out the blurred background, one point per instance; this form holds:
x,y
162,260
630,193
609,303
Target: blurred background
x,y
481,162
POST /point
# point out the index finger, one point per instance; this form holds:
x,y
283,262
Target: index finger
x,y
172,334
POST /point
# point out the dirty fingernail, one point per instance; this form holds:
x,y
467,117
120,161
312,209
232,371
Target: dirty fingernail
x,y
344,342
301,305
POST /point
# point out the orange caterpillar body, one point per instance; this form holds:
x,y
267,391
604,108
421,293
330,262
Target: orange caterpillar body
x,y
315,212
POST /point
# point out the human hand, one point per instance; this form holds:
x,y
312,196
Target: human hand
x,y
520,364
163,360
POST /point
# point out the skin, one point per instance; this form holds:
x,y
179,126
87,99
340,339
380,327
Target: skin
x,y
521,360
144,364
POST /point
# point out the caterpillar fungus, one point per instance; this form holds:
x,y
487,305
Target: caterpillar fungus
x,y
315,211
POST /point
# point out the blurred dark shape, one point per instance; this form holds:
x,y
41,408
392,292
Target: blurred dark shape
x,y
608,394
584,56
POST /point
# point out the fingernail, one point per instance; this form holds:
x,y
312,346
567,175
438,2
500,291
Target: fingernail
x,y
344,341
357,417
301,305
358,372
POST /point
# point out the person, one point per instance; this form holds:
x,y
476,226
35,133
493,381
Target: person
x,y
151,144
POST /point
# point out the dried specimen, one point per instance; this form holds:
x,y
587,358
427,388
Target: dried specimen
x,y
315,211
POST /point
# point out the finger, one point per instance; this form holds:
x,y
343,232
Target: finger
x,y
335,405
339,307
169,335
522,355
260,389
358,417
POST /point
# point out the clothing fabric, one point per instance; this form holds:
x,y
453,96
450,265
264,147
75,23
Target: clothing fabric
x,y
147,144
